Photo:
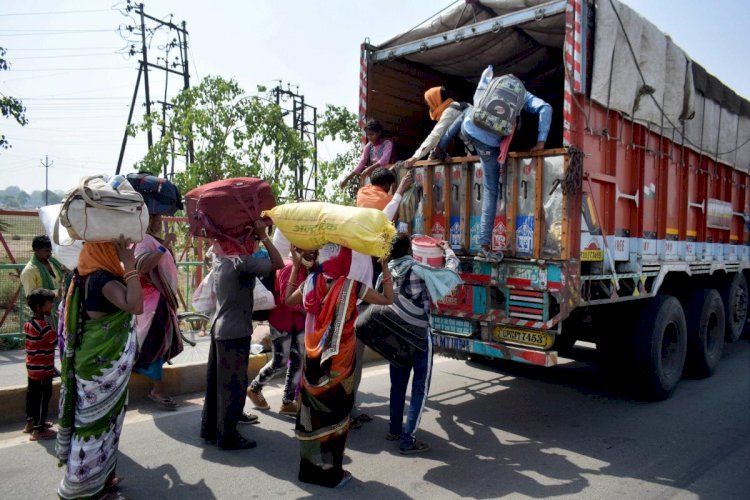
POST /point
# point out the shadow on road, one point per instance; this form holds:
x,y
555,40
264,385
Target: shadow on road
x,y
547,432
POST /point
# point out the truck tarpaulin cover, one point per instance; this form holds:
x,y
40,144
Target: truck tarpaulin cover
x,y
699,110
716,120
531,40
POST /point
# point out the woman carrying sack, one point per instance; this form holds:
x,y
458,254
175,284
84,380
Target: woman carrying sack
x,y
157,328
326,397
99,353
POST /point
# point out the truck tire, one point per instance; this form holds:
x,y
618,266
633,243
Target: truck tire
x,y
704,315
660,342
734,296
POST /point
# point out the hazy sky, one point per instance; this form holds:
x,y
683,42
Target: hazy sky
x,y
77,88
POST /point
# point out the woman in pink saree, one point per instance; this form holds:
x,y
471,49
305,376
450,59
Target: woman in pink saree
x,y
157,328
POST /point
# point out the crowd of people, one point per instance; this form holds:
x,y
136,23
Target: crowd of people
x,y
117,313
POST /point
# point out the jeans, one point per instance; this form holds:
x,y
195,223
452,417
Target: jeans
x,y
38,394
453,130
490,184
420,387
285,346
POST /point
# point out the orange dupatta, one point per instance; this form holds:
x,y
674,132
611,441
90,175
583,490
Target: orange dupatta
x,y
436,103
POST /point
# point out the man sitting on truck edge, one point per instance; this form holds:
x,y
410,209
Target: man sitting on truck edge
x,y
492,149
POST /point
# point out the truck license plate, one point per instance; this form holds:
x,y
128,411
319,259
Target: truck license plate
x,y
524,337
452,343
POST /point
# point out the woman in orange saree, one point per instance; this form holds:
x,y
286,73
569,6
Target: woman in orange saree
x,y
326,390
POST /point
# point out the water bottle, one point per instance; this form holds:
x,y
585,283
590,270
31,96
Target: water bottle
x,y
116,180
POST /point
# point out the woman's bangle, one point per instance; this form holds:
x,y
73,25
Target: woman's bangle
x,y
130,277
129,274
290,282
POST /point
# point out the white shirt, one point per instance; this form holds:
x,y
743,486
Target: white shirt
x,y
361,269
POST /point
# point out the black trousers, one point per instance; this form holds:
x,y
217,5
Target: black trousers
x,y
38,394
226,383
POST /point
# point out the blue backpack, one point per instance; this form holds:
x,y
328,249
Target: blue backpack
x,y
160,195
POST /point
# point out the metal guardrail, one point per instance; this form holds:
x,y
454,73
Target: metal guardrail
x,y
19,313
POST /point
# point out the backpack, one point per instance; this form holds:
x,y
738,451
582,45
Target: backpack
x,y
228,208
500,107
160,195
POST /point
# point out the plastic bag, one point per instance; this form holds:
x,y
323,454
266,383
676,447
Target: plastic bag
x,y
68,250
263,299
204,297
311,225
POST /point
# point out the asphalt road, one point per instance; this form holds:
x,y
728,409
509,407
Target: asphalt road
x,y
509,432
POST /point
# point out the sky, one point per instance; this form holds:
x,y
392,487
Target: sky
x,y
69,69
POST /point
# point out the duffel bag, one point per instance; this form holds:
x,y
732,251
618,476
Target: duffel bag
x,y
95,211
310,225
161,196
381,329
228,208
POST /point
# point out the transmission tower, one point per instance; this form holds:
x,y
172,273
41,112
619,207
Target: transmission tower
x,y
305,121
143,29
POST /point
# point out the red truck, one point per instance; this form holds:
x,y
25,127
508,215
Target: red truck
x,y
629,231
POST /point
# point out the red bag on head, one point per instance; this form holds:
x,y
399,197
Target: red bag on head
x,y
227,209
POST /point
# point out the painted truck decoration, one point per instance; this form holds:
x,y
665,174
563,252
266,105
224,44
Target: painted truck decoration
x,y
634,218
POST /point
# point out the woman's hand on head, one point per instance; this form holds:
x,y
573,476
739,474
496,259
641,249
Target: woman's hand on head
x,y
125,252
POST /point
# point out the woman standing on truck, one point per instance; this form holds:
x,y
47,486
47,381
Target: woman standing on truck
x,y
378,152
326,391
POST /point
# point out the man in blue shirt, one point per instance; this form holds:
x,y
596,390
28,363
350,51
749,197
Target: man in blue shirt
x,y
488,146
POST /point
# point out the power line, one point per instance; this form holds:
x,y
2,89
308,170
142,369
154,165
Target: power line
x,y
66,56
54,12
96,68
55,32
60,48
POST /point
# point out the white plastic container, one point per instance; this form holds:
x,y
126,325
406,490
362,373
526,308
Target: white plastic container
x,y
425,250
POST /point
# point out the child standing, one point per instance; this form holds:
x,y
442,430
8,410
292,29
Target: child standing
x,y
41,340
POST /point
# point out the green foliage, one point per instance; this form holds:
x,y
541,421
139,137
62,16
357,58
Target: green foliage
x,y
10,107
234,134
338,124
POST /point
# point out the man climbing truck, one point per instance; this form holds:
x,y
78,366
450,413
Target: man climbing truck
x,y
627,231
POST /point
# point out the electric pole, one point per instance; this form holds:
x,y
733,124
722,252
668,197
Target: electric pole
x,y
308,130
145,25
47,165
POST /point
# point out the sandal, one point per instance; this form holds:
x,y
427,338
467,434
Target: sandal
x,y
166,403
354,424
363,417
113,481
392,437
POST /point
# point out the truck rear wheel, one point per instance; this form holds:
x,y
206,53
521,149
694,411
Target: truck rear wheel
x,y
704,314
734,296
660,347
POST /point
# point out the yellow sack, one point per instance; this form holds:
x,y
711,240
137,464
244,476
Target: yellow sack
x,y
313,224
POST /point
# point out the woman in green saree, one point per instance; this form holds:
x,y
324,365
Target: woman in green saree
x,y
99,353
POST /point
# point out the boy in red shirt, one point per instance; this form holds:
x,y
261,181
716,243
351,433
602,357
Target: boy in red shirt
x,y
41,340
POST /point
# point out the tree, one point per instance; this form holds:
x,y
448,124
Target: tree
x,y
10,107
233,135
338,124
23,198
